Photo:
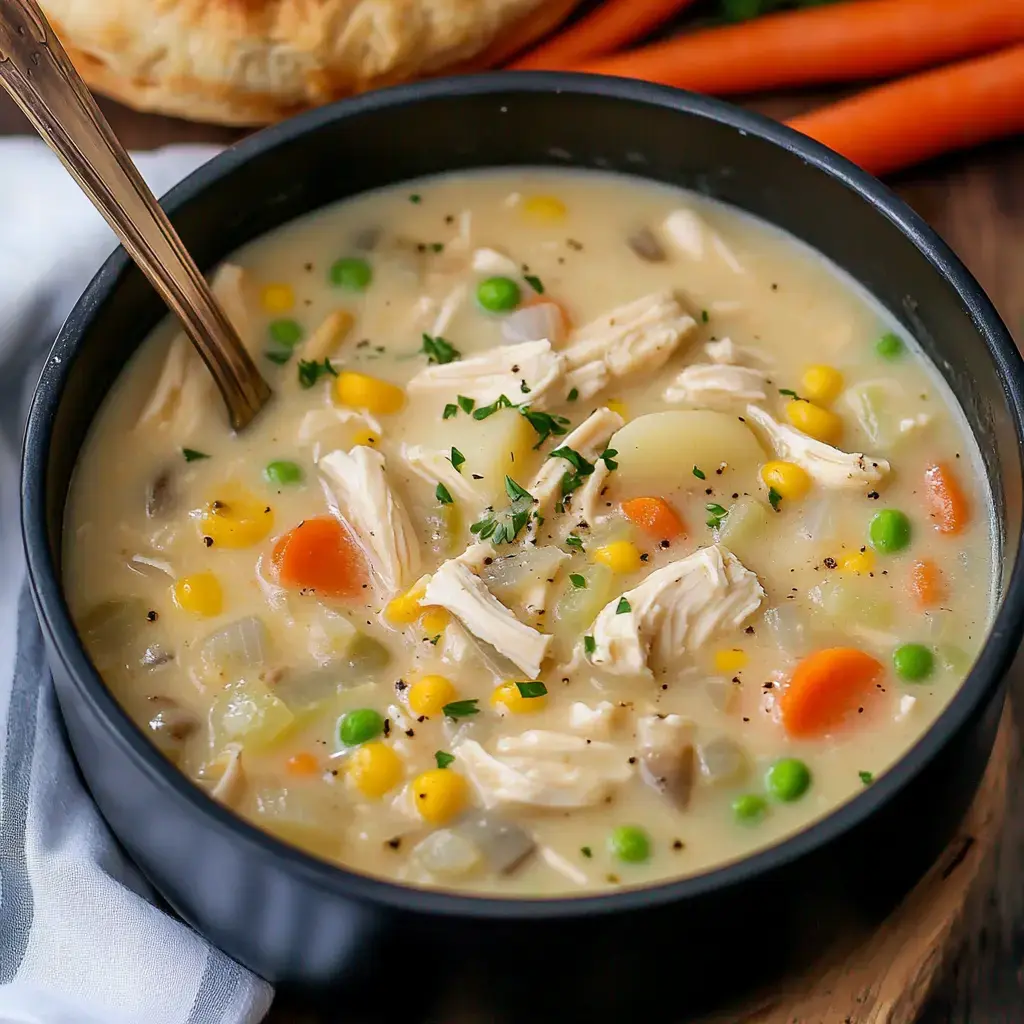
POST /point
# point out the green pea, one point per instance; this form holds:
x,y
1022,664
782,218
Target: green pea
x,y
359,726
285,332
352,273
890,346
498,294
788,779
749,807
913,662
629,843
281,472
889,531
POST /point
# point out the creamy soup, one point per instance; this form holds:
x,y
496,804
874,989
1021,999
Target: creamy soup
x,y
597,534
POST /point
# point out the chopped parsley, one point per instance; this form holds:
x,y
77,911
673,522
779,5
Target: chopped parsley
x,y
534,282
774,498
437,246
191,455
503,527
311,370
443,495
461,708
531,689
573,395
581,469
443,758
515,492
607,457
450,410
572,541
279,356
415,198
866,777
465,404
716,514
586,851
457,459
489,410
790,393
578,581
524,387
622,607
589,644
439,350
704,316
545,424
698,473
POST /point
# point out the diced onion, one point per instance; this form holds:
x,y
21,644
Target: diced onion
x,y
534,323
722,760
503,843
448,853
239,646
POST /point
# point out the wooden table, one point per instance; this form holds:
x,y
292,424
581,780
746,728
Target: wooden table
x,y
976,201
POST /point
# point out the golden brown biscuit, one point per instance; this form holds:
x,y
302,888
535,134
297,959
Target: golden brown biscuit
x,y
251,62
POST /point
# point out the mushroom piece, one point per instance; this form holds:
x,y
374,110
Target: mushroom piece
x,y
171,726
646,246
503,844
160,496
667,759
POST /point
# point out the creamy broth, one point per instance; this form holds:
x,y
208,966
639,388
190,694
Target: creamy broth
x,y
244,595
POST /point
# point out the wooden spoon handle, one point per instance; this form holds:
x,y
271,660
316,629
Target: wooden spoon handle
x,y
36,71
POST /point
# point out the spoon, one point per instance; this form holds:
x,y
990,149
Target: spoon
x,y
38,74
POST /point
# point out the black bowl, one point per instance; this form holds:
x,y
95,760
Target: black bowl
x,y
302,923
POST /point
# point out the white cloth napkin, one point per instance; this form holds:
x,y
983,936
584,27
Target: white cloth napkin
x,y
83,939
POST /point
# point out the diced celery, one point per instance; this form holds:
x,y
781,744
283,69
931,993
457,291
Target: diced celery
x,y
874,403
249,713
744,527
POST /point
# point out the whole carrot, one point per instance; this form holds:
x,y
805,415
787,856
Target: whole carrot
x,y
904,122
839,42
611,25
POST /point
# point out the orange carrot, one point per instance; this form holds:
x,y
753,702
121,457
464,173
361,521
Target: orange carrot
x,y
838,42
609,26
320,555
302,764
826,688
926,583
946,499
654,516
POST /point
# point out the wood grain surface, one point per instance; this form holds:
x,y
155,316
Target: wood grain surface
x,y
976,201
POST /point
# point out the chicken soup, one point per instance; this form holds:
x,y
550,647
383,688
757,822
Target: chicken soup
x,y
597,534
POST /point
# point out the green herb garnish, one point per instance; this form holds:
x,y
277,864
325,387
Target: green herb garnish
x,y
774,498
789,393
534,282
415,198
572,541
443,495
589,644
581,470
586,851
443,758
457,459
461,708
450,410
622,607
698,473
310,371
531,689
866,777
573,395
278,356
438,350
578,581
503,527
191,455
515,492
704,316
607,457
545,424
465,404
437,246
715,515
489,410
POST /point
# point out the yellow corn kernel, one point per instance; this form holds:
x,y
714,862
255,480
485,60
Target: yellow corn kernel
x,y
277,298
405,609
620,556
787,478
235,519
434,620
730,660
860,562
508,696
544,207
814,421
374,768
616,406
199,594
427,696
361,391
365,437
440,795
821,383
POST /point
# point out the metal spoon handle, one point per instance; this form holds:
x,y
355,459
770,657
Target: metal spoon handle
x,y
38,74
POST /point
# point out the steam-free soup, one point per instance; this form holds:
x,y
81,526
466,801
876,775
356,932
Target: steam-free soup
x,y
596,534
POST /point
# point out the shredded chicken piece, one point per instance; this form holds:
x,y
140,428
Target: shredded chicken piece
x,y
707,385
490,261
541,768
185,388
459,590
597,722
318,422
640,335
685,229
828,466
907,703
676,609
360,485
327,338
435,467
475,556
498,371
727,353
589,439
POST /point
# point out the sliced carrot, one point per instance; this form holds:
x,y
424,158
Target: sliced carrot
x,y
926,583
320,555
826,688
947,503
302,764
837,42
609,26
654,516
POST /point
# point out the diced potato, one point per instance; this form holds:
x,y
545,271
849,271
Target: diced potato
x,y
248,712
855,601
657,452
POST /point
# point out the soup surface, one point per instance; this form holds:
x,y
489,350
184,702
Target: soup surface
x,y
554,565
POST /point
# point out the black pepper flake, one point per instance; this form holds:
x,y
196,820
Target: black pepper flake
x,y
750,630
334,772
422,718
151,616
365,343
387,727
735,495
308,267
488,561
663,544
409,732
400,685
395,843
746,719
709,490
873,495
678,844
449,218
208,541
775,287
769,685
830,563
644,557
574,245
720,471
860,711
664,686
632,760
